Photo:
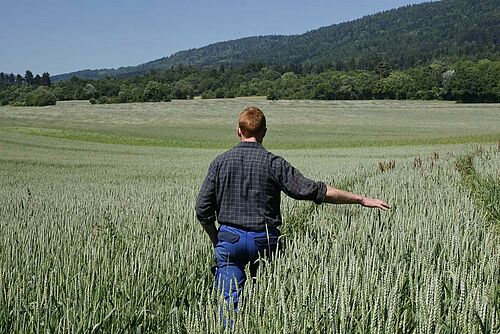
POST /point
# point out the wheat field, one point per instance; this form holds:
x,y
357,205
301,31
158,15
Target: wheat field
x,y
98,232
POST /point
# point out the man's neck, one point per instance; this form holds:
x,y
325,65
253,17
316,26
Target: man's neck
x,y
251,140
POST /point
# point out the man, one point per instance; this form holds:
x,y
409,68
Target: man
x,y
242,192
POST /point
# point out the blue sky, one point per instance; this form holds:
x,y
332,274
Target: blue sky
x,y
60,36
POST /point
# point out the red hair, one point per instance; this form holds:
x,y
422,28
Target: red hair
x,y
252,121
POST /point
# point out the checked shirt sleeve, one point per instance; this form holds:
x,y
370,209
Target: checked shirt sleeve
x,y
295,185
206,201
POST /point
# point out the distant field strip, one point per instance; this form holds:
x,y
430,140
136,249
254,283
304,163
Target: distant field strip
x,y
105,138
292,124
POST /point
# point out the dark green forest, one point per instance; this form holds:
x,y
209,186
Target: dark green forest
x,y
463,81
402,38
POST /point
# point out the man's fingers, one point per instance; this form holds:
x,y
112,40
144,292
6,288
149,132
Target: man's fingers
x,y
384,206
376,203
381,207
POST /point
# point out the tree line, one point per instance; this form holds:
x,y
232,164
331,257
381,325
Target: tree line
x,y
463,81
28,79
27,90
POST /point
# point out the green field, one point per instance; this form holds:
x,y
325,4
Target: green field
x,y
293,124
98,231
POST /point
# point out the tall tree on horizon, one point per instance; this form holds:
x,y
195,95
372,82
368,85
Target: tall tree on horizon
x,y
11,79
28,77
37,80
19,80
46,79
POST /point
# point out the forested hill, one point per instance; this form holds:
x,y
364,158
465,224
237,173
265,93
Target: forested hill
x,y
401,38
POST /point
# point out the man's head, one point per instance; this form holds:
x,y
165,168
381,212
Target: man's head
x,y
252,124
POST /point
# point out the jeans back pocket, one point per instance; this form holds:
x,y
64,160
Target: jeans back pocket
x,y
228,236
266,243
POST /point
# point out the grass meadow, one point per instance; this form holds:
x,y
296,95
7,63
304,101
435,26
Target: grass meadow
x,y
98,232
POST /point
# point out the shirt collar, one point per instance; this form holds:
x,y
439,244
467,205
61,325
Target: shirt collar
x,y
249,144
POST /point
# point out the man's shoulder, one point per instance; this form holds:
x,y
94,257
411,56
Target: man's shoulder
x,y
224,155
221,158
253,151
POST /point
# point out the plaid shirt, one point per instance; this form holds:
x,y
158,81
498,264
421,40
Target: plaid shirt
x,y
243,188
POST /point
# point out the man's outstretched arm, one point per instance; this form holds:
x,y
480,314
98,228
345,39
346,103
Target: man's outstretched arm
x,y
337,196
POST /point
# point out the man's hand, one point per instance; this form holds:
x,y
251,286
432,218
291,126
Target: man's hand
x,y
374,203
338,196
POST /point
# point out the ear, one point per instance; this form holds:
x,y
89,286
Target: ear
x,y
264,133
238,131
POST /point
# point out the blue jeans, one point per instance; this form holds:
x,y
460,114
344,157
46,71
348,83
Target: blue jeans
x,y
235,249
